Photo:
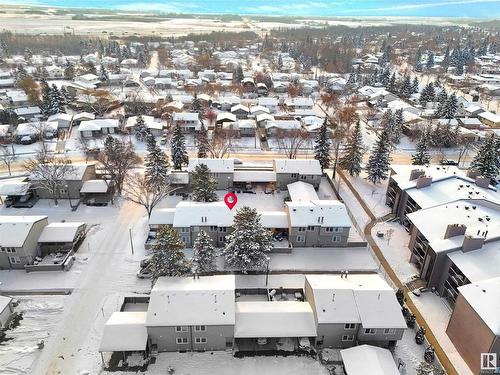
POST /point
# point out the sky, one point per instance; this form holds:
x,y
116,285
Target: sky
x,y
415,8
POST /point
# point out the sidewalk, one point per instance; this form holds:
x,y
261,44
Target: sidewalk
x,y
431,338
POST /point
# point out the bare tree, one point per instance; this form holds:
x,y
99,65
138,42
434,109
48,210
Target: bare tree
x,y
97,101
220,144
8,156
42,130
137,189
117,158
290,141
49,173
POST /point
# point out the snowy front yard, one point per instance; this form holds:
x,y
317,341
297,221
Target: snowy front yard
x,y
222,363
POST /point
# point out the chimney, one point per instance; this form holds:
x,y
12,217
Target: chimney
x,y
473,242
471,173
416,173
482,181
453,230
423,181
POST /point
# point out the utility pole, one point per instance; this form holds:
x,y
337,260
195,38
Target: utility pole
x,y
130,237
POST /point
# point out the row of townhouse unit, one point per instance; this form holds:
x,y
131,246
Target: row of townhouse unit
x,y
245,314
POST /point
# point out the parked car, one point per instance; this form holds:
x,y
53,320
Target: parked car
x,y
25,201
448,162
27,140
144,273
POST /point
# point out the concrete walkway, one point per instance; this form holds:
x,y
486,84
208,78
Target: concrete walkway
x,y
440,353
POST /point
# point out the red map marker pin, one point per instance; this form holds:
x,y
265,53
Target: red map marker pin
x,y
230,200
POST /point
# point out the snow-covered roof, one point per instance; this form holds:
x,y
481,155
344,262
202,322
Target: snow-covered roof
x,y
300,166
15,187
274,319
489,116
226,116
240,107
254,176
14,230
441,191
60,116
264,117
94,186
258,108
125,331
34,128
349,300
484,298
283,124
149,121
186,116
162,216
401,173
215,165
178,301
367,359
274,219
475,214
323,213
84,115
74,173
477,265
302,192
202,214
96,125
60,232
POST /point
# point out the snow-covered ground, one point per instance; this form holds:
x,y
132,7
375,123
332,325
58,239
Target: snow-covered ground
x,y
372,194
41,315
223,363
437,314
394,246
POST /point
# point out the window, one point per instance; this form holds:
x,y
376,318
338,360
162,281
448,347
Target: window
x,y
336,239
200,340
223,229
63,191
347,338
213,229
303,177
310,227
337,230
185,239
389,331
349,326
294,175
222,238
200,328
14,260
328,229
184,230
181,329
9,249
301,229
300,238
370,331
181,340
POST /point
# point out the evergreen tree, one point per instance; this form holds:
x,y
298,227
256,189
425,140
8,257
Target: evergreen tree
x,y
322,146
156,164
446,59
397,126
406,87
238,74
487,161
450,107
427,95
247,246
379,161
103,75
202,142
385,77
441,99
141,132
178,148
195,104
430,60
168,258
203,184
392,83
414,85
204,254
56,101
352,155
69,71
422,156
